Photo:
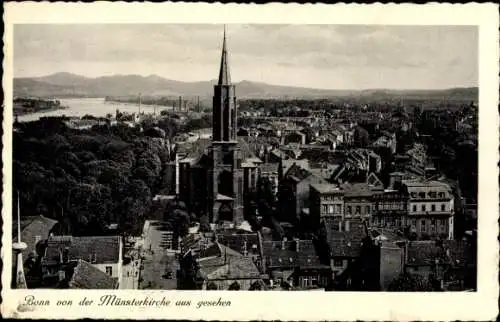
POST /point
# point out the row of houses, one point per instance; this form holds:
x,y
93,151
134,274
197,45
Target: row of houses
x,y
355,257
50,260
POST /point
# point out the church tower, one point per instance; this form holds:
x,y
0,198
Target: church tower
x,y
226,175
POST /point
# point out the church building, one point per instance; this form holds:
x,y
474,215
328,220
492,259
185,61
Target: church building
x,y
215,176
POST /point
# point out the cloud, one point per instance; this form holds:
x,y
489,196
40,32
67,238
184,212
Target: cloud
x,y
256,51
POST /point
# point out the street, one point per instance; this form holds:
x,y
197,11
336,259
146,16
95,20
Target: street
x,y
159,264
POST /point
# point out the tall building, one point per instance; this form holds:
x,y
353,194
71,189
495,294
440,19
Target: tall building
x,y
211,173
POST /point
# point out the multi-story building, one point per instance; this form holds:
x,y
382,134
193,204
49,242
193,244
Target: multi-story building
x,y
325,201
294,192
63,252
430,208
271,172
390,209
358,200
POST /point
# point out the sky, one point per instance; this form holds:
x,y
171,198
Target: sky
x,y
317,56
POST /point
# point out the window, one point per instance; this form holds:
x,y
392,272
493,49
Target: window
x,y
358,210
441,195
422,225
423,207
348,210
305,282
433,207
414,208
433,222
330,209
339,209
413,222
443,207
109,270
442,222
325,209
337,263
421,195
367,210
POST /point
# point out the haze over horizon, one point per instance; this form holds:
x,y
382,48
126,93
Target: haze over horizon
x,y
314,56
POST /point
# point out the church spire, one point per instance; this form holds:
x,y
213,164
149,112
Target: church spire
x,y
224,75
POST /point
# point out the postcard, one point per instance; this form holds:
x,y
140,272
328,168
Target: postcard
x,y
250,162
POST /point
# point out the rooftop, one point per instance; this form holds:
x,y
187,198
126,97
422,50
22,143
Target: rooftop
x,y
95,249
86,276
326,187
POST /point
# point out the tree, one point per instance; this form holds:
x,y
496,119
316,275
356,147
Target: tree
x,y
235,286
258,285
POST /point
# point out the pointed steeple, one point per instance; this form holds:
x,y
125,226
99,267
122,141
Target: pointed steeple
x,y
224,75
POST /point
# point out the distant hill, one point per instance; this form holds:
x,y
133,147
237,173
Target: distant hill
x,y
70,85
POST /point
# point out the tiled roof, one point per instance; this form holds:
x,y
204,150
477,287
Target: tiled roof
x,y
229,265
287,164
31,227
284,254
357,190
345,243
237,241
453,252
86,276
297,173
425,253
95,249
269,167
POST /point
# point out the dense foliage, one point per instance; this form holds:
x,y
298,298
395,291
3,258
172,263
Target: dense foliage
x,y
87,179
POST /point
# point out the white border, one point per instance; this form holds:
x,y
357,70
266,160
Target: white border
x,y
481,305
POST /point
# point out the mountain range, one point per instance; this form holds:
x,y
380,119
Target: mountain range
x,y
71,85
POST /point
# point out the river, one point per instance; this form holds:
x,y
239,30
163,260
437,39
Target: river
x,y
91,106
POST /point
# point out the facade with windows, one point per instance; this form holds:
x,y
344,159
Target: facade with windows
x,y
423,209
430,209
390,209
326,201
358,201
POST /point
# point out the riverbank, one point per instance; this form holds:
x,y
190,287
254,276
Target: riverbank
x,y
25,112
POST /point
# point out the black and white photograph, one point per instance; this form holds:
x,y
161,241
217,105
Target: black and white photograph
x,y
245,157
